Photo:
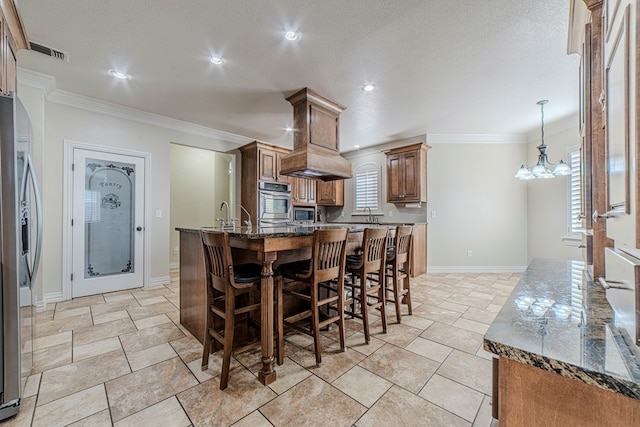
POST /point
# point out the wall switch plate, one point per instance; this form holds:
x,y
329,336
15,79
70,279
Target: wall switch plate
x,y
390,214
158,213
342,214
469,253
433,214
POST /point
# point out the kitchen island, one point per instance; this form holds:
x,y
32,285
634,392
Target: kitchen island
x,y
267,246
561,359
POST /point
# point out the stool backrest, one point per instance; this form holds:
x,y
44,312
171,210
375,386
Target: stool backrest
x,y
374,247
402,243
329,254
217,258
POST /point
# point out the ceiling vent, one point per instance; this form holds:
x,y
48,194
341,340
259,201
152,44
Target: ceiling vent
x,y
49,51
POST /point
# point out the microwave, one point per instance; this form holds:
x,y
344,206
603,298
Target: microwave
x,y
304,214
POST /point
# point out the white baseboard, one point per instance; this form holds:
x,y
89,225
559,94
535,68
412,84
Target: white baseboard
x,y
476,269
41,306
159,281
50,298
174,264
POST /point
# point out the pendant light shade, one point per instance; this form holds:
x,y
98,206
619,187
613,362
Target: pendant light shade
x,y
542,169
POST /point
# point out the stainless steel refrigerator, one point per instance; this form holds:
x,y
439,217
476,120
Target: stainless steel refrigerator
x,y
21,240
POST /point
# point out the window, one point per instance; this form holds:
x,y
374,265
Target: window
x,y
367,187
575,194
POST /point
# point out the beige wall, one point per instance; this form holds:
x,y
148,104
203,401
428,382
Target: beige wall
x,y
58,122
200,182
479,206
548,202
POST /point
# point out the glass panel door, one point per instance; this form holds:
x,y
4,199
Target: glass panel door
x,y
108,226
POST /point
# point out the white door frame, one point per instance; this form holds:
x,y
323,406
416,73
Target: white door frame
x,y
67,208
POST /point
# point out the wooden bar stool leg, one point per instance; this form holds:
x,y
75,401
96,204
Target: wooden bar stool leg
x,y
341,330
206,349
396,292
229,327
315,325
381,298
364,307
407,287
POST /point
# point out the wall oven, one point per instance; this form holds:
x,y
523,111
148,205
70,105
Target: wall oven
x,y
274,204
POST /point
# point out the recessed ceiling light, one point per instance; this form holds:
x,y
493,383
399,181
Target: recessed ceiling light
x,y
218,60
118,74
356,146
292,35
368,87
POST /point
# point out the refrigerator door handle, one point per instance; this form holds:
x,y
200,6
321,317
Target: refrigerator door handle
x,y
30,173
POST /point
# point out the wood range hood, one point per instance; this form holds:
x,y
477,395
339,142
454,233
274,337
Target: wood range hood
x,y
316,139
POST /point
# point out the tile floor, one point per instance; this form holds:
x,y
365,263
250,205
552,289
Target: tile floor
x,y
123,359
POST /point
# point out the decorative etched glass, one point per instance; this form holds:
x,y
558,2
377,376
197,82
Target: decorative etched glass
x,y
109,204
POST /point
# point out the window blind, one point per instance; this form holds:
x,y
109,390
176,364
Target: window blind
x,y
575,191
367,188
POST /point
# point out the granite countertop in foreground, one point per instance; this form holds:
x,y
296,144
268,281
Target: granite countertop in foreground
x,y
586,346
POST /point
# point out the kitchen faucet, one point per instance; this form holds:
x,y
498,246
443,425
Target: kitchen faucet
x,y
248,221
370,217
226,220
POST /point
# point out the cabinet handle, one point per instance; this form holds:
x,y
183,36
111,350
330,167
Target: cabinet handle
x,y
611,284
606,215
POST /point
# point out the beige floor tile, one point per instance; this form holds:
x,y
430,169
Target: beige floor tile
x,y
150,337
68,379
484,354
482,316
437,314
71,408
453,337
207,405
400,334
356,342
483,418
64,314
100,419
362,385
110,307
334,361
289,374
138,390
399,407
52,327
52,357
254,419
32,385
151,310
96,348
429,349
151,300
452,396
188,348
417,322
313,402
51,340
108,317
102,331
166,413
477,300
401,367
79,302
214,368
453,306
458,366
471,325
150,356
119,297
148,322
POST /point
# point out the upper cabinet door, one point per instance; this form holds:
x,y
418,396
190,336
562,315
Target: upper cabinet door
x,y
395,178
407,174
267,165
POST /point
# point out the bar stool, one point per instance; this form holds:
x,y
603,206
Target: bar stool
x,y
326,270
361,267
225,283
397,270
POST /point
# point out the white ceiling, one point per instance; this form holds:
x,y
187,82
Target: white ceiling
x,y
439,66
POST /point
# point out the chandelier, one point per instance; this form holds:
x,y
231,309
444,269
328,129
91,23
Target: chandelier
x,y
541,169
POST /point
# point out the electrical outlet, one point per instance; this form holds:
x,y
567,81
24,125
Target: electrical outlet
x,y
469,254
158,213
342,214
390,214
176,250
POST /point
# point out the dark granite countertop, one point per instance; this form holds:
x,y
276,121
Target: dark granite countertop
x,y
274,232
585,345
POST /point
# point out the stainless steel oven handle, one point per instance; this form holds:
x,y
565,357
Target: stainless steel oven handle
x,y
284,194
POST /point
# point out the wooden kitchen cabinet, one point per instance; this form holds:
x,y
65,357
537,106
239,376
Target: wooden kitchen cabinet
x,y
330,193
303,191
407,174
13,37
269,165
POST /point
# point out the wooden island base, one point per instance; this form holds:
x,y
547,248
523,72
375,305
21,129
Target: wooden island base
x,y
530,396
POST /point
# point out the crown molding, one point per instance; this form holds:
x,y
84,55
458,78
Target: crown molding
x,y
37,80
48,85
465,138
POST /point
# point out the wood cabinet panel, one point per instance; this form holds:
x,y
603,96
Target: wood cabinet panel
x,y
418,252
323,129
330,193
303,191
407,174
267,165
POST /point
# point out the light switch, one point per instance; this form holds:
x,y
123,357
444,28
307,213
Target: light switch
x,y
158,213
433,214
